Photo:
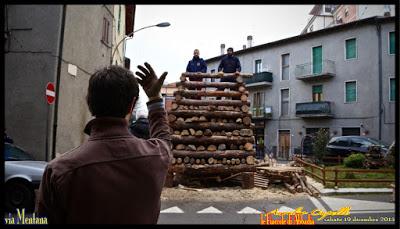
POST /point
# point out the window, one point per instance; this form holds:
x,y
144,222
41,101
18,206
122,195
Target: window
x,y
106,29
284,102
317,93
359,142
317,60
392,47
258,66
351,49
351,92
340,142
212,72
351,131
119,19
329,8
285,67
392,96
311,28
346,12
258,104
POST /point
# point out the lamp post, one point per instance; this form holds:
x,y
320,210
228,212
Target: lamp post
x,y
129,36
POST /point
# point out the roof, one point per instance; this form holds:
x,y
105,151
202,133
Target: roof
x,y
316,10
333,29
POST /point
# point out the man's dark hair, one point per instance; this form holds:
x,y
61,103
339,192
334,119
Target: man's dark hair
x,y
230,48
111,91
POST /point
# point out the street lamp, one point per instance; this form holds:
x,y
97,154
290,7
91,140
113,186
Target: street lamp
x,y
129,36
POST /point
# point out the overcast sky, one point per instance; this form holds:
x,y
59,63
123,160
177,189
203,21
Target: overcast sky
x,y
206,27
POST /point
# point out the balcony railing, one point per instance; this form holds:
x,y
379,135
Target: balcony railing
x,y
263,112
260,79
315,71
314,109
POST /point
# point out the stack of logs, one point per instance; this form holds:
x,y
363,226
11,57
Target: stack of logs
x,y
293,178
211,136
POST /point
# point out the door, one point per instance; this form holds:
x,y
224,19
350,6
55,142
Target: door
x,y
317,60
284,144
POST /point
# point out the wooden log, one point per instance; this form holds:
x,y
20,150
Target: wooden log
x,y
213,140
186,159
246,132
233,147
180,147
242,89
221,147
174,106
195,118
171,117
207,132
241,147
247,120
214,154
247,180
203,84
223,133
228,162
188,120
250,160
239,120
211,148
243,161
179,97
248,146
210,160
192,131
224,160
219,162
177,132
191,147
228,134
192,160
173,161
217,169
180,119
224,120
179,160
199,133
245,108
184,133
202,119
236,133
196,94
289,187
243,98
202,161
201,148
197,161
214,114
237,108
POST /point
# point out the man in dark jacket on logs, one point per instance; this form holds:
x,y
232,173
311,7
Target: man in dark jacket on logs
x,y
113,177
229,64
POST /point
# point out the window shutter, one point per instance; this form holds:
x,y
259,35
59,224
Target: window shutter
x,y
351,48
351,92
392,90
392,48
317,89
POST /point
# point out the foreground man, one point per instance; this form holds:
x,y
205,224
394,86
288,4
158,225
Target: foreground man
x,y
114,177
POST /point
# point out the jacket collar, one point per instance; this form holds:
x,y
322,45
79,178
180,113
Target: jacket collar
x,y
107,127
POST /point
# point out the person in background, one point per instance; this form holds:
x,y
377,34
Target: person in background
x,y
140,128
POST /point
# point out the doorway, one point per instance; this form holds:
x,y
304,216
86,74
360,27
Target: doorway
x,y
283,144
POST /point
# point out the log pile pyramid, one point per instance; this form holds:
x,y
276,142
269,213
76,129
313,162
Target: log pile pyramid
x,y
211,136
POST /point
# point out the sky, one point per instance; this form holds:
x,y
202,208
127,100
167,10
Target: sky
x,y
206,27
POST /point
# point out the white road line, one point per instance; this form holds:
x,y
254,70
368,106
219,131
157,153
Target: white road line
x,y
285,209
357,205
248,210
174,209
316,203
209,210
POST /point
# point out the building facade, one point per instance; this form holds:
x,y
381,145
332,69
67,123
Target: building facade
x,y
55,44
340,78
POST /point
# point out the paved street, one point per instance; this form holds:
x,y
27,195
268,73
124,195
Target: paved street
x,y
370,207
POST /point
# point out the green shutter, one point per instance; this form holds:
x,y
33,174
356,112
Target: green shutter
x,y
351,92
351,48
317,89
317,60
392,90
392,48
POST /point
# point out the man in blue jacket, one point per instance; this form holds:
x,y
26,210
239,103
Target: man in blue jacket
x,y
196,64
229,64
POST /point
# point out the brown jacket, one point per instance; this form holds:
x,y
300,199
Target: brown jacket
x,y
113,177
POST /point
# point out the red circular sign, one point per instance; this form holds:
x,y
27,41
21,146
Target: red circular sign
x,y
50,93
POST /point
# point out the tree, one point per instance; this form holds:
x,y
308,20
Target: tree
x,y
319,144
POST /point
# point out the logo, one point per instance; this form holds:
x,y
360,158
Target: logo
x,y
21,218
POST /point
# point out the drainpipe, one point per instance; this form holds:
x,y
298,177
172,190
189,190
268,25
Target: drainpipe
x,y
57,89
378,32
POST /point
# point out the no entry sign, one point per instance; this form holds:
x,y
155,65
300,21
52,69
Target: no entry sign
x,y
50,93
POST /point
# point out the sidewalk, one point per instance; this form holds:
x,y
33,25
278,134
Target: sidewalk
x,y
331,191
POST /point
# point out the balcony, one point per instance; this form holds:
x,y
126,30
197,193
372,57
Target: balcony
x,y
261,113
261,79
314,110
312,72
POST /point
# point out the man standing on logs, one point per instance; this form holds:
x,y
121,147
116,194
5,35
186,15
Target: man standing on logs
x,y
229,64
113,177
196,64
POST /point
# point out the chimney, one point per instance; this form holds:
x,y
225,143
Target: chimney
x,y
222,49
244,46
249,41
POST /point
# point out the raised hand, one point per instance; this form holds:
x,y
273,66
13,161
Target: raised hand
x,y
149,81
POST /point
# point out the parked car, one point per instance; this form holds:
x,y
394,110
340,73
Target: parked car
x,y
345,145
22,176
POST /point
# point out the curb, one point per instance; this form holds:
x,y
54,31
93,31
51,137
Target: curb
x,y
327,192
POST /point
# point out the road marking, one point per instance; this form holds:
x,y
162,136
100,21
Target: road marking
x,y
356,205
248,210
174,209
210,209
377,211
316,203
